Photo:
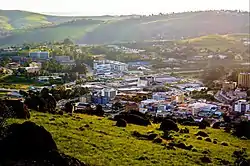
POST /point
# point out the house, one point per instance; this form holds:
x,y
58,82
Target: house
x,y
13,65
35,69
35,64
241,106
108,66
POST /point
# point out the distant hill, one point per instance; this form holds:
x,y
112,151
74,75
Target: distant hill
x,y
223,42
17,27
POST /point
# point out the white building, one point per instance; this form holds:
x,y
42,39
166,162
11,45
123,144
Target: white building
x,y
241,106
109,92
108,66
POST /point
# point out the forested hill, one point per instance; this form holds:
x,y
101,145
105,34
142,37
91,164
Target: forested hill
x,y
17,27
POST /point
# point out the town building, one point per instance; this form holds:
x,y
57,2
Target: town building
x,y
241,106
244,80
108,66
65,60
39,55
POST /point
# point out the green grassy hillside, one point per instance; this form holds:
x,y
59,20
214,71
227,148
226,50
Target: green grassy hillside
x,y
14,19
223,42
70,30
102,143
25,26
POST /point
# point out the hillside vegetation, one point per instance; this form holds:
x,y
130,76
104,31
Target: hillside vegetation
x,y
96,141
222,42
19,26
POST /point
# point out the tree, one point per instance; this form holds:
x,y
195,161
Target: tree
x,y
80,68
5,61
67,41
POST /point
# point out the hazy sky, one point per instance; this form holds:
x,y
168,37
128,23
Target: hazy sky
x,y
118,7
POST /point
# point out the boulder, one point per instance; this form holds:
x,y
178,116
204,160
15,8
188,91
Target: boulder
x,y
150,136
202,126
241,158
216,125
242,129
168,125
199,138
167,135
30,144
208,139
205,122
224,143
134,119
157,140
205,159
202,134
121,123
181,145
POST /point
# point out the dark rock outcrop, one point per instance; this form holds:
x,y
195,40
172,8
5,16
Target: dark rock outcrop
x,y
121,123
134,119
242,129
168,125
30,144
202,134
216,125
205,159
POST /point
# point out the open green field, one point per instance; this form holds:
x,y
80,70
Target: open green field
x,y
102,143
17,82
222,42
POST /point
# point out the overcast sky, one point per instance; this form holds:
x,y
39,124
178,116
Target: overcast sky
x,y
119,7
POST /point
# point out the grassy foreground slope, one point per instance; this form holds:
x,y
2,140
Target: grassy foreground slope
x,y
102,143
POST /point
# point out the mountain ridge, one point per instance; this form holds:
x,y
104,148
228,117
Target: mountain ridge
x,y
17,27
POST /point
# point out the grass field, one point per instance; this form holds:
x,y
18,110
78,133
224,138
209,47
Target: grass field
x,y
15,82
102,143
223,42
